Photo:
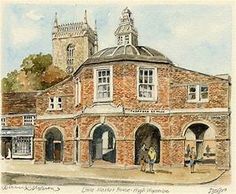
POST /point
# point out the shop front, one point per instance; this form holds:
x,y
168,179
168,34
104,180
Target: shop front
x,y
17,142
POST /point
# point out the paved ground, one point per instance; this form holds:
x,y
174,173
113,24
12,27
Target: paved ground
x,y
22,172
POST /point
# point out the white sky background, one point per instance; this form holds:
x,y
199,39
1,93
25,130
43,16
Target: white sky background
x,y
196,37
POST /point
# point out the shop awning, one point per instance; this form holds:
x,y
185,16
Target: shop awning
x,y
19,131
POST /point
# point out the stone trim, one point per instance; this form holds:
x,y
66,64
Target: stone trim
x,y
173,138
60,116
18,115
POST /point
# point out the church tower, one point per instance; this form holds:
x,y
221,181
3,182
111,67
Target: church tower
x,y
126,32
72,43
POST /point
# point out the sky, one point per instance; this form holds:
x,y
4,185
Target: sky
x,y
196,37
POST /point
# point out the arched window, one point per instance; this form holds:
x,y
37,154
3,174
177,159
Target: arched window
x,y
70,54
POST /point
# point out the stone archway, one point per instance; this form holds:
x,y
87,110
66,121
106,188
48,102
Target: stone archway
x,y
103,145
149,135
54,145
201,137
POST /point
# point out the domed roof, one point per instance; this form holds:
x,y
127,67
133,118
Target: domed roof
x,y
128,52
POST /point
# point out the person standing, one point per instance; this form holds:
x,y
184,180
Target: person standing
x,y
143,151
192,156
152,158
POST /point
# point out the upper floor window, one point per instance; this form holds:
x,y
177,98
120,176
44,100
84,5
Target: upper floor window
x,y
70,54
146,84
77,91
197,93
55,103
29,120
3,121
103,84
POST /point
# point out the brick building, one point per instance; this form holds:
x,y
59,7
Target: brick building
x,y
17,120
129,95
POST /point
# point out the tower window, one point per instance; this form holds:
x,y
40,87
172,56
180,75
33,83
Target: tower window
x,y
126,39
70,54
120,40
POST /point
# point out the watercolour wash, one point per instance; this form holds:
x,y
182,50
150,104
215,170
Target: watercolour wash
x,y
120,97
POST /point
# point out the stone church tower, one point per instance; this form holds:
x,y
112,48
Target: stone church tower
x,y
72,43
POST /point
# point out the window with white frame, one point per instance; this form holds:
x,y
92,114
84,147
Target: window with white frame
x,y
21,145
203,93
55,103
146,84
197,93
103,84
77,91
3,121
29,120
70,54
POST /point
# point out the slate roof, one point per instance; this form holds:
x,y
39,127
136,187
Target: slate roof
x,y
128,52
19,103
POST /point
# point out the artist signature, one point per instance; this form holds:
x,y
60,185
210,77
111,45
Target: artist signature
x,y
30,187
217,190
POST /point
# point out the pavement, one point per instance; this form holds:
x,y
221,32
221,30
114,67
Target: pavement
x,y
25,172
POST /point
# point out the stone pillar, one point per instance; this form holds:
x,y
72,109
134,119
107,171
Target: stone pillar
x,y
222,153
165,155
130,151
177,151
85,156
120,151
68,152
39,150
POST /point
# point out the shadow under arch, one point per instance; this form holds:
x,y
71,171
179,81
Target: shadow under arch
x,y
53,145
103,144
149,135
200,136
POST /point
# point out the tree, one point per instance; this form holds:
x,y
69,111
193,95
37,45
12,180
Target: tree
x,y
36,73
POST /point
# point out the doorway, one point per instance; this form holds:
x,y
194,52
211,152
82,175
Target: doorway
x,y
150,136
54,145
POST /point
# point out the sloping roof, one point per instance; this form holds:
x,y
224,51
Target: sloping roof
x,y
19,103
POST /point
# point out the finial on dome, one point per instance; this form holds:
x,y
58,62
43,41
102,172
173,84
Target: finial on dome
x,y
55,20
85,16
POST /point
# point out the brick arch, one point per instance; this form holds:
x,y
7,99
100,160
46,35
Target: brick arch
x,y
94,126
187,125
151,123
54,126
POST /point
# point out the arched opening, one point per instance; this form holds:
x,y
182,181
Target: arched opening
x,y
54,145
103,144
150,136
201,137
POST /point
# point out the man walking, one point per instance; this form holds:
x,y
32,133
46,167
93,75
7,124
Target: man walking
x,y
152,158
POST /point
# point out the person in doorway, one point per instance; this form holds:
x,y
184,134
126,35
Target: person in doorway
x,y
188,150
143,159
152,158
192,156
208,151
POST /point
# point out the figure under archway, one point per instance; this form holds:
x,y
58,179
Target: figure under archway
x,y
54,145
150,136
202,138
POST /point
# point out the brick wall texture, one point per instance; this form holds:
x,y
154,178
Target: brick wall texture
x,y
172,91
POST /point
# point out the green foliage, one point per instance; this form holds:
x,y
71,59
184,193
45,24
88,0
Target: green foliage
x,y
11,83
36,73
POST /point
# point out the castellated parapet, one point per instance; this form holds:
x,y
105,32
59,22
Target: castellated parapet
x,y
72,44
